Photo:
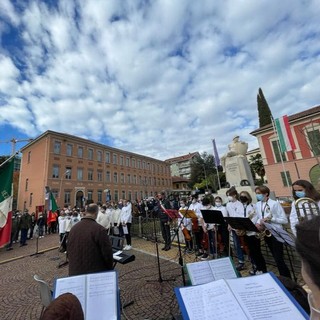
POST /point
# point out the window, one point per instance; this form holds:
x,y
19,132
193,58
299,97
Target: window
x,y
55,171
80,174
55,193
90,194
314,141
134,179
30,199
107,157
90,154
68,173
277,153
129,179
122,178
121,161
143,165
57,147
99,175
90,174
123,195
115,159
80,152
27,184
69,150
133,163
99,196
108,176
128,162
67,197
99,155
284,180
115,177
136,194
116,195
130,195
139,164
29,156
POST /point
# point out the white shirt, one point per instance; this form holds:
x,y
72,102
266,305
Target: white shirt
x,y
116,216
252,215
184,222
126,214
62,224
235,209
294,217
196,207
104,219
270,207
222,209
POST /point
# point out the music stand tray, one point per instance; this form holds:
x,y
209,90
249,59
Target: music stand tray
x,y
213,216
185,213
241,223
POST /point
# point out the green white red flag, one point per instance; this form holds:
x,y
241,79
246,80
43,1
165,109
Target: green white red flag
x,y
284,133
6,195
51,208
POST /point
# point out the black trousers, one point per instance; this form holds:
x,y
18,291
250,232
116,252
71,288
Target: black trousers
x,y
276,249
255,252
166,235
128,236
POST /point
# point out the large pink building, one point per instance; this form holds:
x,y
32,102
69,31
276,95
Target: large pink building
x,y
302,163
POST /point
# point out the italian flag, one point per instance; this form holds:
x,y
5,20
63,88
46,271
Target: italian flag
x,y
284,133
52,208
6,174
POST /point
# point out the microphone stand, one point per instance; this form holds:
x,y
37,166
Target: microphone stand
x,y
37,253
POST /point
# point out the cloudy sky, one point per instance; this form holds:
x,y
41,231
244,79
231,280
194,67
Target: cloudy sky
x,y
161,78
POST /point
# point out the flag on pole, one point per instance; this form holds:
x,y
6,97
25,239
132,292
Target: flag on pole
x,y
6,176
284,133
215,153
51,208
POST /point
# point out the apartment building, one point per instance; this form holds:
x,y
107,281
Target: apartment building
x,y
76,170
181,166
283,168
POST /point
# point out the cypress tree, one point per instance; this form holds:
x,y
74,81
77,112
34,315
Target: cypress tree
x,y
264,111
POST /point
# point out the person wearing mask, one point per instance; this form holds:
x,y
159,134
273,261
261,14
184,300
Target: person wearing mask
x,y
256,257
197,228
185,225
223,234
89,246
303,189
308,247
235,209
271,211
116,219
126,221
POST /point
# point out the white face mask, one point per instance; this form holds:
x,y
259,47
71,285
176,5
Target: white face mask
x,y
230,198
218,204
182,205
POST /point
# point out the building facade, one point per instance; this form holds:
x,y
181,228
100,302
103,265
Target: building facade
x,y
76,170
283,168
181,166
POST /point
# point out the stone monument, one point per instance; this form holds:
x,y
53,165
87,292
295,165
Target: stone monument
x,y
236,167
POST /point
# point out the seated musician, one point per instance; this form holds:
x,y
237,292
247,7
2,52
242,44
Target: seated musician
x,y
185,224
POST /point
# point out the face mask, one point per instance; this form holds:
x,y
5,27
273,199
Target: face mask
x,y
300,194
128,203
230,198
243,199
194,201
182,205
218,204
259,197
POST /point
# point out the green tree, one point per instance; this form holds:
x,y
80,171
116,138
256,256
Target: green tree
x,y
256,165
264,112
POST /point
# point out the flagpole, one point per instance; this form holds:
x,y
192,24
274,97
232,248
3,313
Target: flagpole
x,y
4,162
218,177
216,160
282,163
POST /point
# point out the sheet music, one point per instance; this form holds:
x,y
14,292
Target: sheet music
x,y
102,296
75,285
262,298
222,269
200,272
213,298
280,234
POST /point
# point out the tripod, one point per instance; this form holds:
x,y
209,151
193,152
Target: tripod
x,y
160,279
37,253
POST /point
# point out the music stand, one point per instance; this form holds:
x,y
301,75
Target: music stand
x,y
284,237
241,223
213,217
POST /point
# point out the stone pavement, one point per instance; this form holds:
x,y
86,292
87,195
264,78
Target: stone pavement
x,y
139,281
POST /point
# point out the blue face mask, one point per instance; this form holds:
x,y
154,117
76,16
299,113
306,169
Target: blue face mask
x,y
300,194
259,197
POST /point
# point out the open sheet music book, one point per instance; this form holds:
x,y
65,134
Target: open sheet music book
x,y
258,297
207,271
97,292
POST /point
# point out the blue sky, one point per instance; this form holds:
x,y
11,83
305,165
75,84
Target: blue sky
x,y
160,78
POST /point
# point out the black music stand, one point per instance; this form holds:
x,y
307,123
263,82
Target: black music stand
x,y
284,237
213,217
37,253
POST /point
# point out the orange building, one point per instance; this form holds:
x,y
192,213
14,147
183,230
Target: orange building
x,y
76,170
302,163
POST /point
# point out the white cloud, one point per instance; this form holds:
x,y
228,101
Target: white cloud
x,y
160,78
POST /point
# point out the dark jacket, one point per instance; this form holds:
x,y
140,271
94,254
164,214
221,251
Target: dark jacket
x,y
89,248
161,214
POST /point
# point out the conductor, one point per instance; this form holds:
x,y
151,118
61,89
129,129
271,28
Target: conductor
x,y
89,247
